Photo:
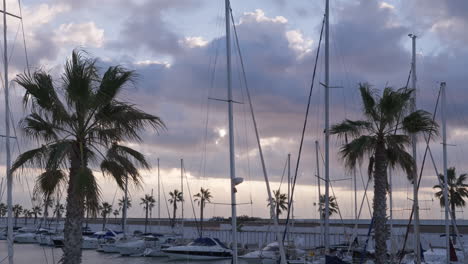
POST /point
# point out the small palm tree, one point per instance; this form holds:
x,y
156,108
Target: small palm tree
x,y
81,125
59,209
202,198
122,203
121,207
3,210
176,197
333,206
383,136
116,213
280,202
36,211
457,191
17,210
106,209
26,215
148,203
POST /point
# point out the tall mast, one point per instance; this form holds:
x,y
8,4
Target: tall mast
x,y
159,198
231,133
327,125
7,140
319,192
444,146
182,187
417,241
390,194
289,186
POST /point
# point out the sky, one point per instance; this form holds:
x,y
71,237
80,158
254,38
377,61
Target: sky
x,y
177,48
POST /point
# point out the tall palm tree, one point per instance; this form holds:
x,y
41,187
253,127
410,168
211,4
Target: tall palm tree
x,y
121,207
106,209
457,191
176,197
202,198
26,215
80,125
59,209
280,202
333,206
17,210
116,213
148,203
3,210
36,211
383,136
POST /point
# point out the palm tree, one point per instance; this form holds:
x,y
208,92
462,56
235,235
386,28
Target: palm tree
x,y
148,203
106,209
36,211
17,210
333,206
176,197
122,203
457,191
80,125
280,202
58,211
3,210
383,137
202,198
116,213
121,206
26,215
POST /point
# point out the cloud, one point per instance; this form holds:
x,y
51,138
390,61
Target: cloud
x,y
83,34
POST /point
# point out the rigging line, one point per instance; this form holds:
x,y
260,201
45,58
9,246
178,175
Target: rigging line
x,y
165,200
420,177
282,176
191,201
304,129
365,194
19,151
24,37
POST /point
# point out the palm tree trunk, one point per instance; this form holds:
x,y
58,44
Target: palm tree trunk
x,y
146,217
452,228
74,218
380,204
104,222
201,218
174,214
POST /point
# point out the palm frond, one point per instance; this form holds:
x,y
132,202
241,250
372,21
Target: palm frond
x,y
369,101
355,151
50,182
420,121
351,128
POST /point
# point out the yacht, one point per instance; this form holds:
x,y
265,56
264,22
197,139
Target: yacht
x,y
271,252
155,248
25,236
137,247
202,248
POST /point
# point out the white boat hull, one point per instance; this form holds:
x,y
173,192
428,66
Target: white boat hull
x,y
153,252
90,243
25,239
134,248
182,256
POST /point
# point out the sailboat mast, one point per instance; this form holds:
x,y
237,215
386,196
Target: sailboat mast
x,y
417,242
327,126
159,198
7,141
444,146
182,186
319,191
231,133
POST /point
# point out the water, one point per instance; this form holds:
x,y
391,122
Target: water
x,y
33,253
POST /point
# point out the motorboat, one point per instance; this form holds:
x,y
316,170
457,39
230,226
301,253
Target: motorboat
x,y
203,248
156,245
25,236
45,237
272,252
